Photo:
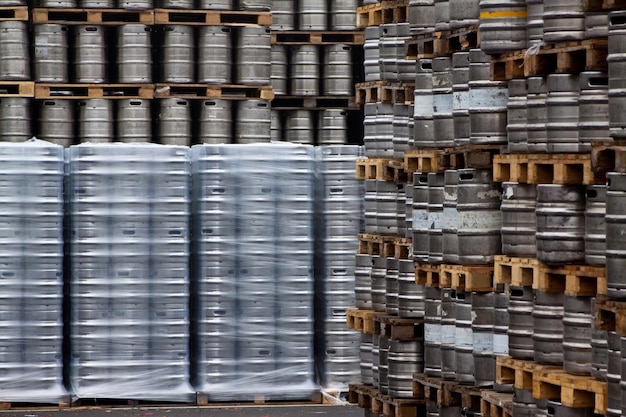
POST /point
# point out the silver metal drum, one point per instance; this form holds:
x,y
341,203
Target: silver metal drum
x,y
342,14
502,25
134,120
596,24
387,206
174,123
560,224
384,130
464,339
599,348
521,322
460,96
410,295
519,221
443,102
217,4
464,13
593,118
534,22
448,330
623,379
134,54
95,121
577,318
305,67
408,210
379,285
405,358
363,281
523,404
253,123
15,50
500,332
178,63
215,122
15,119
480,219
283,15
400,130
405,67
537,114
56,121
337,70
517,116
442,15
366,359
563,20
388,39
616,235
614,376
424,135
595,225
369,207
422,16
487,103
420,217
392,288
255,5
482,331
432,332
548,328
215,54
435,217
312,14
279,71
617,74
90,54
450,220
371,54
562,108
300,127
51,53
333,127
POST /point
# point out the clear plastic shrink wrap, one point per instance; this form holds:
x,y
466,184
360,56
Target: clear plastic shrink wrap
x,y
252,262
129,281
31,272
339,219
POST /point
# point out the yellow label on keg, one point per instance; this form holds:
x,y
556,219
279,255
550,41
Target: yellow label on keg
x,y
503,14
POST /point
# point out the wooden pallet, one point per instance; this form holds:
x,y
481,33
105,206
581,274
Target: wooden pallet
x,y
63,403
281,102
396,328
17,89
573,390
573,280
92,16
467,277
84,91
519,373
426,160
443,43
14,13
428,275
395,170
372,244
446,393
361,395
611,316
204,399
398,248
559,57
373,169
211,17
384,91
510,167
473,156
215,91
360,320
398,407
496,404
386,11
519,272
318,38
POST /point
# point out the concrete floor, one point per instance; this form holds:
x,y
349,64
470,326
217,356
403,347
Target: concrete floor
x,y
234,411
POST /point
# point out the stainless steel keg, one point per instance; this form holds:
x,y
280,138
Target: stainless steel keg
x,y
448,329
253,121
134,54
337,70
305,77
177,59
460,96
15,119
15,51
56,121
548,328
577,318
562,109
615,235
521,322
464,338
595,225
450,219
537,114
435,217
593,118
517,116
424,135
443,102
313,15
215,121
134,120
215,54
95,121
90,54
432,331
563,20
300,127
420,217
519,221
483,321
174,122
502,25
50,56
254,55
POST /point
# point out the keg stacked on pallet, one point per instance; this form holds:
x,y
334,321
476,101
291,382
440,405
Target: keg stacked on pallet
x,y
316,55
95,65
553,54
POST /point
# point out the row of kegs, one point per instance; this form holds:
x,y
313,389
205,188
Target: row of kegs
x,y
173,121
126,53
314,14
252,5
323,127
463,217
312,70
